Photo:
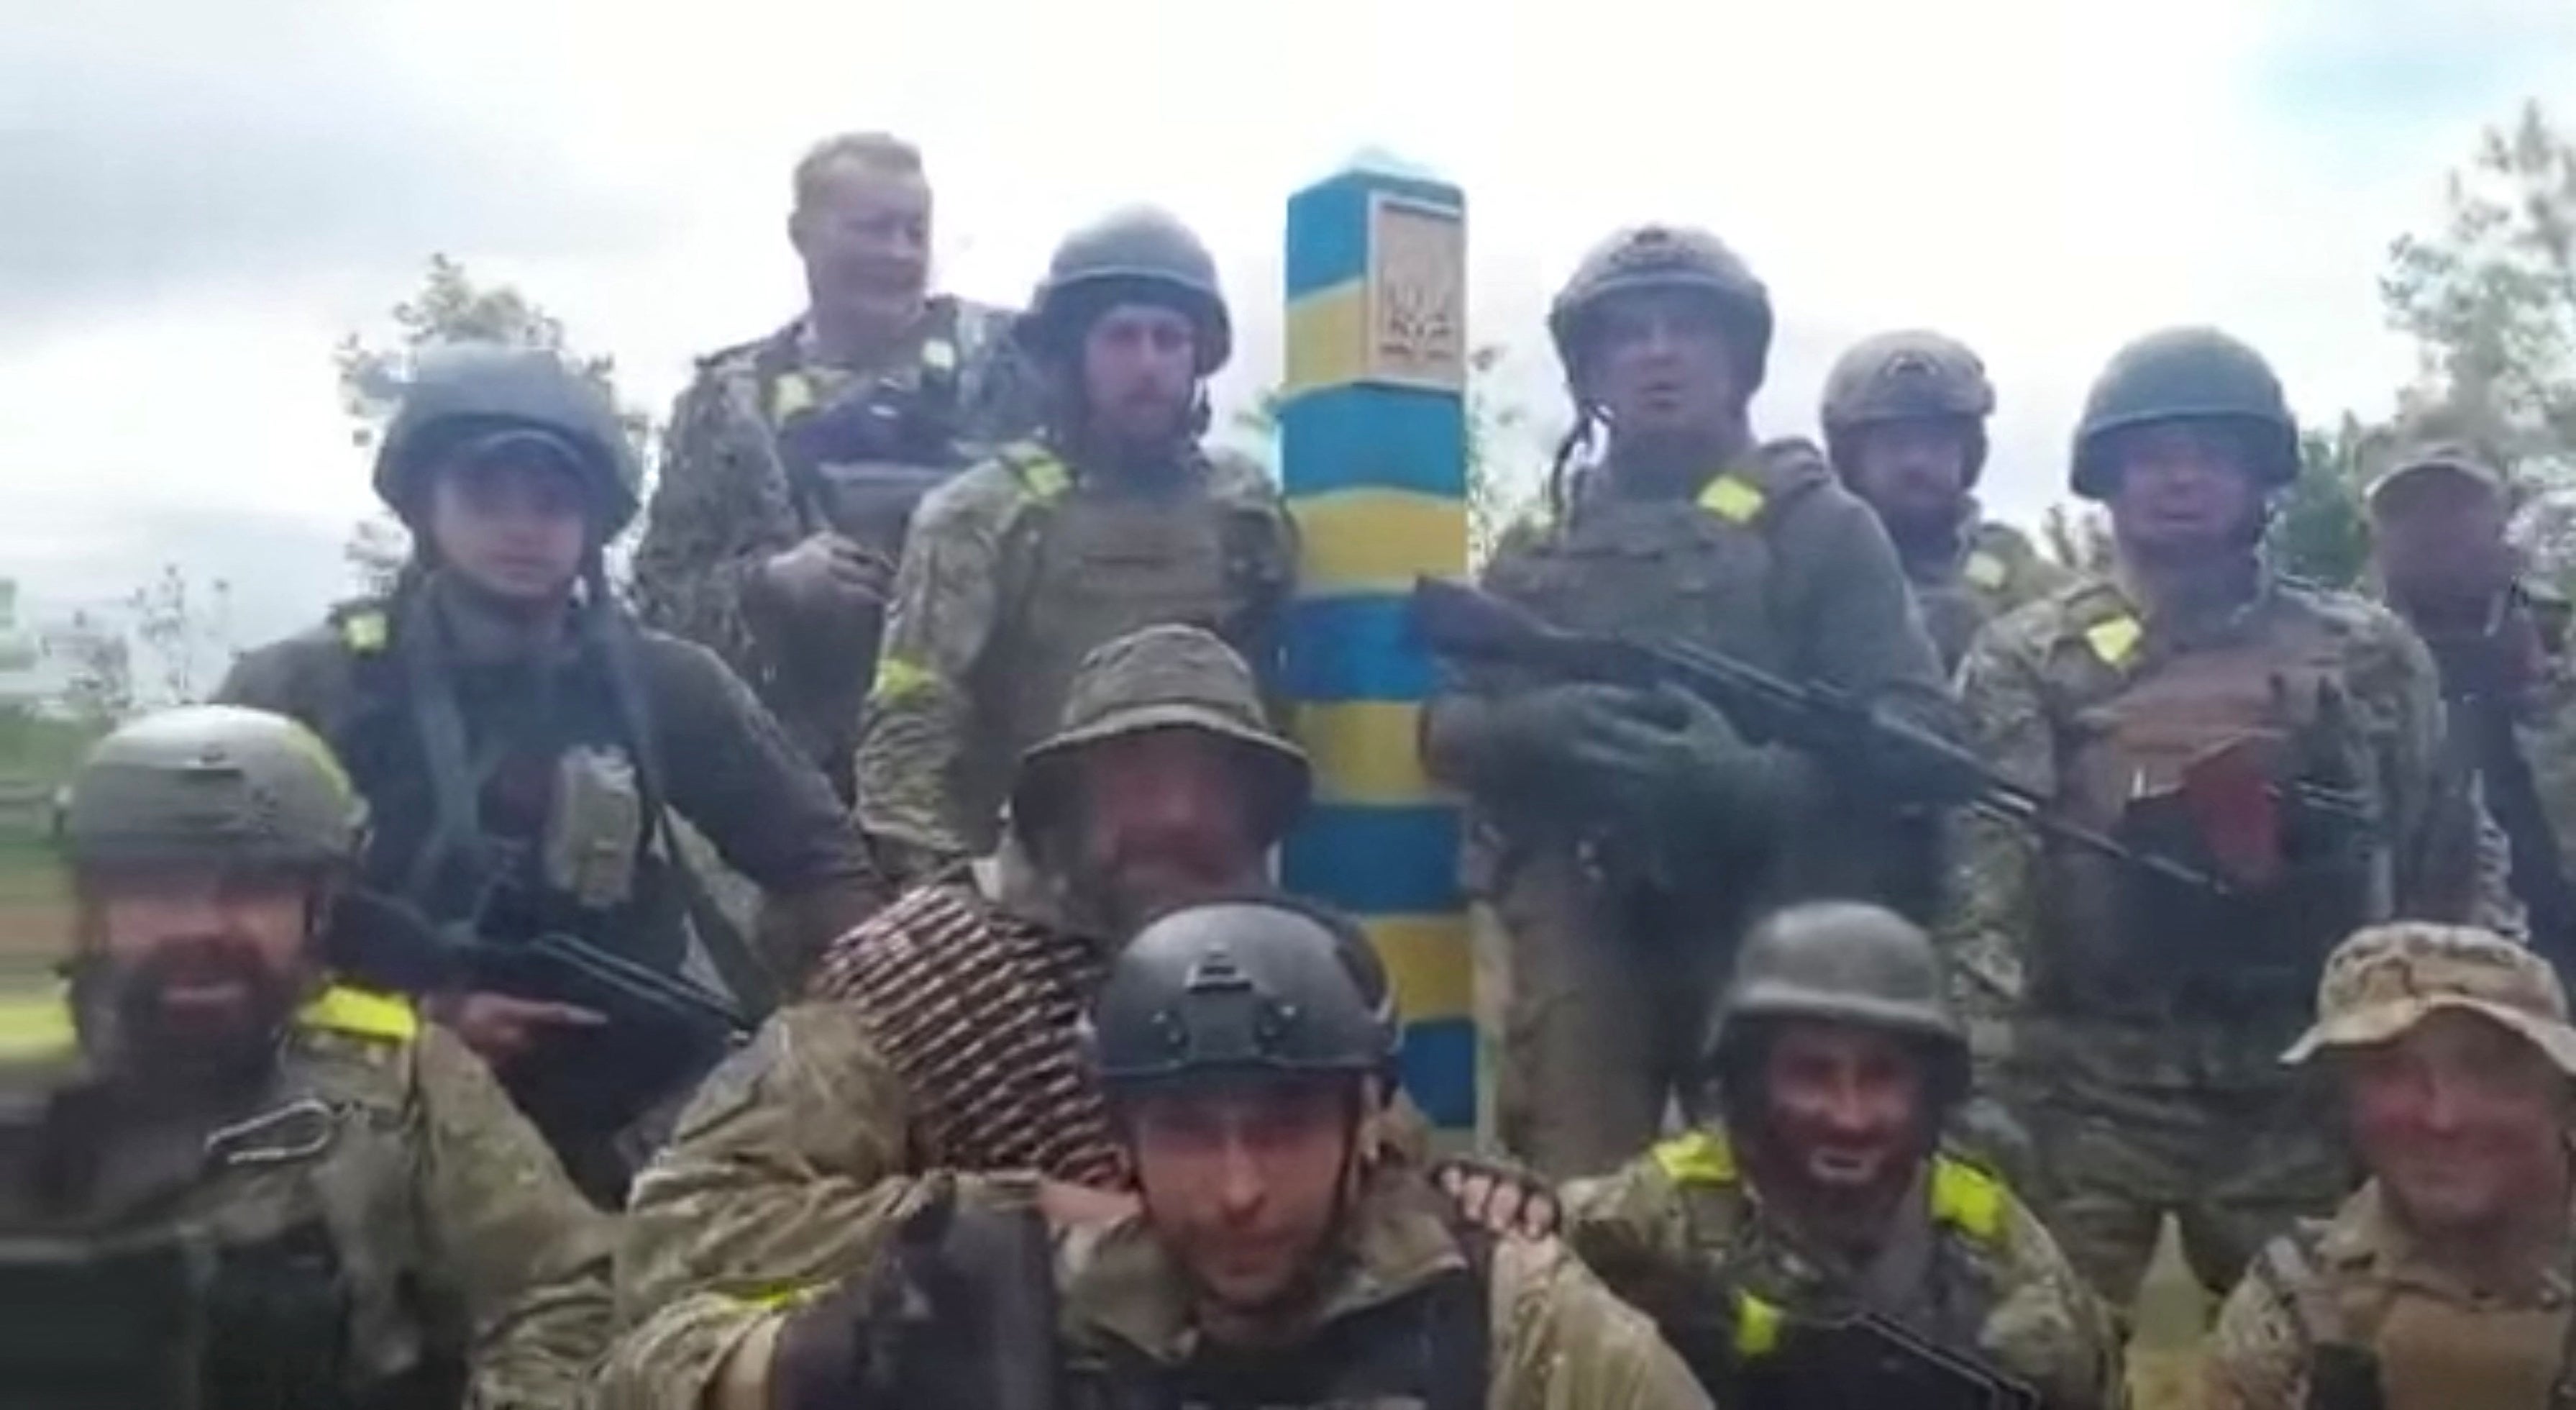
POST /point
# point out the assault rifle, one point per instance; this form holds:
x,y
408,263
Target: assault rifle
x,y
1465,624
1865,1360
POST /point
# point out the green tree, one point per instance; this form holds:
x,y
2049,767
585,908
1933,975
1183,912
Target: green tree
x,y
2319,530
450,307
2491,301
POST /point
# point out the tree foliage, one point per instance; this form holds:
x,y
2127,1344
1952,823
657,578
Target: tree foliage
x,y
450,307
2319,529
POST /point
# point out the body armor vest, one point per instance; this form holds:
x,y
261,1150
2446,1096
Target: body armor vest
x,y
977,1012
1087,566
1429,1349
2388,1347
2124,937
290,1284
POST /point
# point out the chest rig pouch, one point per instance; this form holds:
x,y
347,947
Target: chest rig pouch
x,y
2377,1346
1430,1349
2243,760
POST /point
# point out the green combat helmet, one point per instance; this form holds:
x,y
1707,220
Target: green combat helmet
x,y
1664,257
1137,255
466,392
2187,374
213,784
1910,375
1841,962
1242,989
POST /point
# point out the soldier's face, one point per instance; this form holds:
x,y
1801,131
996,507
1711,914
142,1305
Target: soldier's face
x,y
1139,373
1847,1108
1661,366
1242,1185
1167,821
197,962
513,523
2463,1122
2438,534
864,234
1913,472
2181,487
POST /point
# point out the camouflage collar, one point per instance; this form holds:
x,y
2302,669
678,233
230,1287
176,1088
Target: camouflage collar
x,y
2368,1236
1124,1285
934,327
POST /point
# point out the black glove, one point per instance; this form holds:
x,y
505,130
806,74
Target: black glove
x,y
958,1315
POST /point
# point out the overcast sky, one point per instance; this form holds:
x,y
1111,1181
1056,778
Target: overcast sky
x,y
202,198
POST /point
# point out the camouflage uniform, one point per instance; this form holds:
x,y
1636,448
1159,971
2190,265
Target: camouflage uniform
x,y
942,1036
1974,571
1686,1233
2358,1311
365,1220
1028,561
739,486
2135,1020
522,789
1613,951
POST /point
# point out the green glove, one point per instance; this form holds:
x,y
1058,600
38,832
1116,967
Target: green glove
x,y
1675,760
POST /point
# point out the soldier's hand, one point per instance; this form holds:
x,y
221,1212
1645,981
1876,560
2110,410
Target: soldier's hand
x,y
827,574
502,1028
1067,1205
1499,1197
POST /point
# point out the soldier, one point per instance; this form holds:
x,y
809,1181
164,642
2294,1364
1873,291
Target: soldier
x,y
1623,838
1905,424
2445,1281
2281,742
1247,1047
1823,1195
2500,637
519,740
239,1183
941,1035
1117,520
793,463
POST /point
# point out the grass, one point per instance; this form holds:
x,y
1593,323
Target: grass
x,y
35,909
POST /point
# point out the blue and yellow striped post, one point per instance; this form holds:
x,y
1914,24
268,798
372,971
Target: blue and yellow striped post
x,y
1372,434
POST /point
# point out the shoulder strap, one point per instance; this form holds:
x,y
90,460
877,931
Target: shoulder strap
x,y
1459,1326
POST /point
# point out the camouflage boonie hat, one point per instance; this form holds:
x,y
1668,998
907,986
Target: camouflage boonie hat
x,y
1164,677
2388,978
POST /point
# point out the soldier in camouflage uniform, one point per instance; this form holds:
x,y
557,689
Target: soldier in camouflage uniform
x,y
1117,519
1824,1194
1623,838
2500,636
941,1034
792,464
2448,1281
1905,425
1247,1047
523,744
236,1183
2283,741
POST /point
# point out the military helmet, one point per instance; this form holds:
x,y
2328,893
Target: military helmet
x,y
1841,961
213,784
1664,257
1252,987
465,392
2187,374
1140,254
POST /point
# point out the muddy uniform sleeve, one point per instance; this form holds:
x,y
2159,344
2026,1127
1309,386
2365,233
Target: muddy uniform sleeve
x,y
782,1175
2047,1328
523,1252
736,778
1563,1342
719,510
1994,888
921,709
2255,1361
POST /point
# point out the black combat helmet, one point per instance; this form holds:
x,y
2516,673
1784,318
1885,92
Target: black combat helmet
x,y
2187,374
1910,375
1669,258
465,392
1243,989
1137,255
1840,962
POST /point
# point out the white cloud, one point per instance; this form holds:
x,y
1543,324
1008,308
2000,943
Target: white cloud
x,y
2043,177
